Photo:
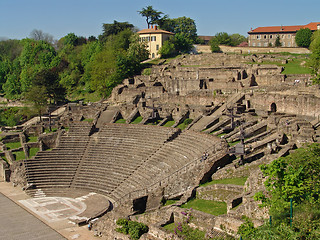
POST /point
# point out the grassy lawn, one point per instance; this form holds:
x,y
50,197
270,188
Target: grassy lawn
x,y
236,181
170,227
13,145
19,155
33,152
90,120
294,67
121,120
233,143
85,97
137,120
212,207
52,130
169,123
184,124
32,139
169,202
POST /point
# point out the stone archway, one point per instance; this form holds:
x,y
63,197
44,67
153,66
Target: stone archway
x,y
273,107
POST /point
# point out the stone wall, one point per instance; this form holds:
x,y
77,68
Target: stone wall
x,y
245,50
307,105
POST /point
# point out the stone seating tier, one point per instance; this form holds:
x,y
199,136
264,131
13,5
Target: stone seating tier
x,y
117,159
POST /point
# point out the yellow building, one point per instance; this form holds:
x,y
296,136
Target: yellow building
x,y
154,38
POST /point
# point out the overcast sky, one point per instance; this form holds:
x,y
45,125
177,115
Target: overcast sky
x,y
85,17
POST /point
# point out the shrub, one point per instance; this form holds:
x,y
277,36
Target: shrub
x,y
303,37
214,44
134,229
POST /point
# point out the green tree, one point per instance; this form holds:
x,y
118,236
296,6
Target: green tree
x,y
223,38
183,26
314,60
214,45
237,39
38,96
167,50
49,80
303,37
114,28
294,176
277,42
151,15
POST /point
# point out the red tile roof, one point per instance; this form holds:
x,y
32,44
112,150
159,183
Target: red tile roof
x,y
154,31
278,29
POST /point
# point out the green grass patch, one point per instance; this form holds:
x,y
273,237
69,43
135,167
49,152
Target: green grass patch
x,y
13,145
84,96
212,207
169,202
146,71
236,181
295,67
121,120
169,123
184,124
170,227
219,135
19,155
137,120
52,130
33,152
4,158
90,120
231,144
32,139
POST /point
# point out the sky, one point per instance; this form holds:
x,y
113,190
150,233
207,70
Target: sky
x,y
85,17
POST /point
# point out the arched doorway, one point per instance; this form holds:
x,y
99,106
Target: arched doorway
x,y
273,107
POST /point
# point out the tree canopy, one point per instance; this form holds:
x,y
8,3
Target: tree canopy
x,y
151,15
303,37
295,177
314,61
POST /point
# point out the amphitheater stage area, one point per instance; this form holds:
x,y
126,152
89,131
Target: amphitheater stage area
x,y
48,217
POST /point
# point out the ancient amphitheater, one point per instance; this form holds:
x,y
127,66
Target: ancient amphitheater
x,y
197,118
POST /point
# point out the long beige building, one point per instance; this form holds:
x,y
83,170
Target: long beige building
x,y
266,36
154,38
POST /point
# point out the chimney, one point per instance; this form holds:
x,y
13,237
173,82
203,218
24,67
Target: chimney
x,y
156,27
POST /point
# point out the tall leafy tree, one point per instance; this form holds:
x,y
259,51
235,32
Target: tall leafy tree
x,y
151,15
314,61
183,26
114,28
303,37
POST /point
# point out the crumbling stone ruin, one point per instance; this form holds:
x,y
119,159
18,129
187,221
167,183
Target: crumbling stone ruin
x,y
243,115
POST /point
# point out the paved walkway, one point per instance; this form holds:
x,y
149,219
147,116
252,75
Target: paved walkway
x,y
17,222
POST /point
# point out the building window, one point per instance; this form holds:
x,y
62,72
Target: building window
x,y
153,55
289,35
153,38
265,36
259,44
289,44
258,36
157,47
265,44
253,44
270,36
